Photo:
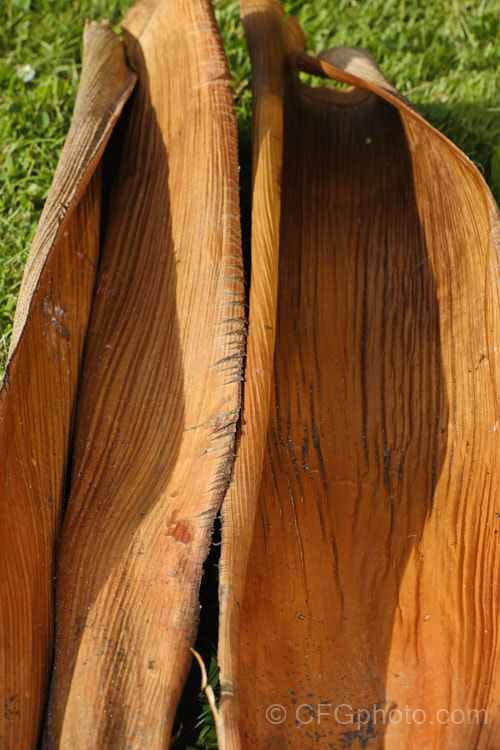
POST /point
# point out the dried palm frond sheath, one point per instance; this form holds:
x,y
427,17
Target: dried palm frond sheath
x,y
360,560
158,390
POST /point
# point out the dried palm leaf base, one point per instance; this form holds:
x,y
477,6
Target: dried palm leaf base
x,y
157,375
38,395
371,579
160,390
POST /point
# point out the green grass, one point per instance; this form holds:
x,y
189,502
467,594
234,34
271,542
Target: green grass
x,y
443,54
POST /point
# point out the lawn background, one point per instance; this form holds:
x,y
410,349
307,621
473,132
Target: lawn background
x,y
445,56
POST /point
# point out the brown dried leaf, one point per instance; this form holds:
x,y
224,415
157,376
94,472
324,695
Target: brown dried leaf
x,y
159,394
370,578
38,395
